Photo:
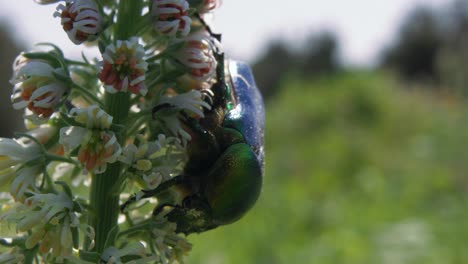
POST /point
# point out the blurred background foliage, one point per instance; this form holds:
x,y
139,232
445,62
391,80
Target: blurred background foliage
x,y
10,120
362,165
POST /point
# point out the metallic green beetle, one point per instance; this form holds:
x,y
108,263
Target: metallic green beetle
x,y
223,177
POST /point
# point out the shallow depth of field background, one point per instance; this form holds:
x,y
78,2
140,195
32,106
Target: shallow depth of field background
x,y
365,163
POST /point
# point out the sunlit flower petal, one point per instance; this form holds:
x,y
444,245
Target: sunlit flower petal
x,y
191,101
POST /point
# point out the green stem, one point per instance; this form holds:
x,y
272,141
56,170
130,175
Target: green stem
x,y
103,197
80,63
142,227
105,204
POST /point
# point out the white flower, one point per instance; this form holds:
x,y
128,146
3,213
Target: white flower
x,y
14,256
123,67
155,161
171,246
92,117
113,255
197,55
191,101
97,148
49,219
13,154
43,133
97,145
70,171
80,20
171,17
173,124
36,87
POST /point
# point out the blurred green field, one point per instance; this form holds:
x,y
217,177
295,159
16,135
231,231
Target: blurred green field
x,y
358,170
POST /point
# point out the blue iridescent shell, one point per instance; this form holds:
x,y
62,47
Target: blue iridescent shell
x,y
248,114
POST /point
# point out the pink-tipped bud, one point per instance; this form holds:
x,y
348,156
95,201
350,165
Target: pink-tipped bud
x,y
171,17
80,20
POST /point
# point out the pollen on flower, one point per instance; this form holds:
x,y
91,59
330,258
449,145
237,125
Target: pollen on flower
x,y
123,67
171,17
101,148
80,20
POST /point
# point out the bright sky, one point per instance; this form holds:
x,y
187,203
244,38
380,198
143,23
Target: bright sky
x,y
363,26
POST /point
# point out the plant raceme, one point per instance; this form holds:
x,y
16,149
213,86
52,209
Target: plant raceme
x,y
92,139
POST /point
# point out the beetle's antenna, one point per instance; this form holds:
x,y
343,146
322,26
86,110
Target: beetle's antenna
x,y
220,85
208,28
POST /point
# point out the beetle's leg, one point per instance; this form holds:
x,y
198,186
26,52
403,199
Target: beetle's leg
x,y
150,193
159,208
192,123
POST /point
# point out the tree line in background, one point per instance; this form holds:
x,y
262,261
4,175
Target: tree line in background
x,y
431,48
318,56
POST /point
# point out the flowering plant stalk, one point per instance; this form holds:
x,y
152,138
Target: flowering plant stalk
x,y
92,140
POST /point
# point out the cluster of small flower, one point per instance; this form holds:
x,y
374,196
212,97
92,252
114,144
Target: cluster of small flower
x,y
93,113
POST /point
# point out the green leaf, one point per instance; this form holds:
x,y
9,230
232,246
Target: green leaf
x,y
112,236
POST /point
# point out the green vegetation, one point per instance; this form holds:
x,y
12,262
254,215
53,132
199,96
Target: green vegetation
x,y
358,170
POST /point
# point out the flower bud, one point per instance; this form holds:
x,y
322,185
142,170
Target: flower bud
x,y
36,87
123,67
197,55
80,20
171,17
